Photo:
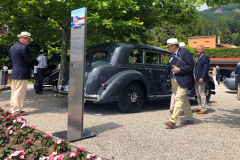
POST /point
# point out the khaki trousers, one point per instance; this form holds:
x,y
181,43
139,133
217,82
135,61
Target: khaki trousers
x,y
238,96
19,89
173,100
182,102
201,96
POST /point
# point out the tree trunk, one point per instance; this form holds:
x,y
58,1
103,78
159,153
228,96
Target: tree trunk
x,y
65,44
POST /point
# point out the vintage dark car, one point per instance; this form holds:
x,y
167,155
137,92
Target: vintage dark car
x,y
128,74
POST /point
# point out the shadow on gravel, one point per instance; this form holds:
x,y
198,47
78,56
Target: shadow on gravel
x,y
103,127
230,118
231,92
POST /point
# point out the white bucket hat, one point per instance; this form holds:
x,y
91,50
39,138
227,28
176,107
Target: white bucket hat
x,y
182,45
172,41
25,34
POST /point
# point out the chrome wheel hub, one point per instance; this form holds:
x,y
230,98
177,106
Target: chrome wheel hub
x,y
134,97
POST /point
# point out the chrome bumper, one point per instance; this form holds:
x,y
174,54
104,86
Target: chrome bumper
x,y
95,98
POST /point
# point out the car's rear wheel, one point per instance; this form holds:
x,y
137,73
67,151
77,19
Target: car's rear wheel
x,y
208,92
132,98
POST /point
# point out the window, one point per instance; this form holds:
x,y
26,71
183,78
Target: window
x,y
151,57
136,56
4,30
96,55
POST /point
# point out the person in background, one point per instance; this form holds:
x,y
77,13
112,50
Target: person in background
x,y
214,76
201,76
41,69
22,64
218,75
237,72
181,82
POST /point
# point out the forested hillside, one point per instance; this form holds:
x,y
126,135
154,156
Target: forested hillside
x,y
223,21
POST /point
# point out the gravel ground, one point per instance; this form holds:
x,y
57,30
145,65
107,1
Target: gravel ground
x,y
143,135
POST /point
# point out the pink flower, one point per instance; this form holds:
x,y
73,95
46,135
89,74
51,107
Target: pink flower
x,y
51,157
22,157
6,130
29,141
60,157
90,156
2,117
99,158
23,153
60,141
4,134
6,118
47,134
13,151
13,116
32,126
80,149
19,120
9,127
10,132
72,154
18,132
54,153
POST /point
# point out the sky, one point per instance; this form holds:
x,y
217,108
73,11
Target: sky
x,y
203,7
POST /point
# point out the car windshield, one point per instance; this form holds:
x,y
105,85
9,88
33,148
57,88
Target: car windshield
x,y
96,55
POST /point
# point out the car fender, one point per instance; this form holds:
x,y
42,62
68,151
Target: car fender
x,y
114,87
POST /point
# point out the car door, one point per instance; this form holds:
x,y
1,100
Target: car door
x,y
156,71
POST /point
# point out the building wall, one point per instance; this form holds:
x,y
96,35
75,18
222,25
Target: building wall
x,y
207,41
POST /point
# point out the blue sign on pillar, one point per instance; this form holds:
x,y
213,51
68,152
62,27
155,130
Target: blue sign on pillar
x,y
76,78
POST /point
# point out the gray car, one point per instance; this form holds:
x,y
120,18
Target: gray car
x,y
128,74
230,83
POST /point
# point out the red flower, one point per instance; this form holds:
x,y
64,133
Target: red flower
x,y
6,130
18,132
6,111
80,149
6,118
4,134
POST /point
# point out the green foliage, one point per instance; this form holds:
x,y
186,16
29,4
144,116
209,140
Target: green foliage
x,y
220,52
40,152
47,141
19,137
37,135
28,147
7,151
4,139
61,145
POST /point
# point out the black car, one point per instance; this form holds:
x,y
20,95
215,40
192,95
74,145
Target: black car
x,y
128,73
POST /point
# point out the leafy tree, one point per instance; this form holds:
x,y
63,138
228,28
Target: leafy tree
x,y
237,40
108,20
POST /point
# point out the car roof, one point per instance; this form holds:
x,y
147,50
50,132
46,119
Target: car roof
x,y
127,45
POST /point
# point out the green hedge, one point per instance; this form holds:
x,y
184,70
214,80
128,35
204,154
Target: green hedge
x,y
220,52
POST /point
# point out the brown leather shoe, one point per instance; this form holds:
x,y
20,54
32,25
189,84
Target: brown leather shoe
x,y
171,111
201,112
170,124
182,114
196,110
187,122
22,114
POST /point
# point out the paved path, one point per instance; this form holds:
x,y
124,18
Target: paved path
x,y
143,135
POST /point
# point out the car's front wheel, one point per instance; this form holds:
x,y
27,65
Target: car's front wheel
x,y
132,98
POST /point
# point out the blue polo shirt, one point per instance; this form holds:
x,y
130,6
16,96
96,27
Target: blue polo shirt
x,y
237,71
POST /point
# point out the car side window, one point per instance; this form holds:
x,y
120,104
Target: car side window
x,y
99,54
151,57
136,56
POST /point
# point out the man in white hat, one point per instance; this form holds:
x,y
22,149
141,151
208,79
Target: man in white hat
x,y
22,63
182,80
172,102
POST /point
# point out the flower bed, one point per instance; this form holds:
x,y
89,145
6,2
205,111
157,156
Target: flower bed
x,y
19,140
